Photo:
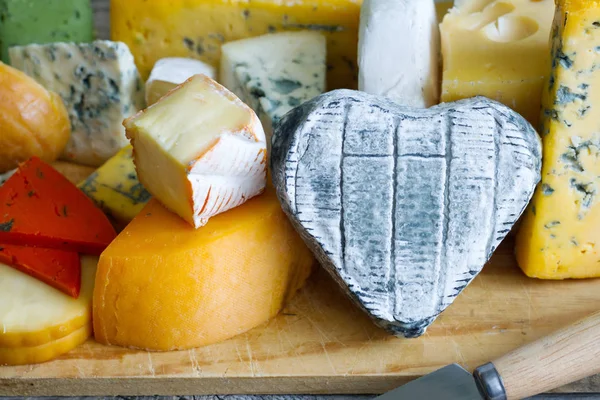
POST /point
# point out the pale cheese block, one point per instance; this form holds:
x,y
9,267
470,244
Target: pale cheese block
x,y
275,73
399,51
163,285
33,313
199,150
172,71
100,86
498,49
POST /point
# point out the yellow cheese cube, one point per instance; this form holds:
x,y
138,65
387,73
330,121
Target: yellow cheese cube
x,y
560,235
197,28
497,49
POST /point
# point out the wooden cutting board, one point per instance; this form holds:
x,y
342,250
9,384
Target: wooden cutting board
x,y
323,344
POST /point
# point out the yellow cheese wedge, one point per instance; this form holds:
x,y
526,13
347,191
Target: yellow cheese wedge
x,y
560,235
115,188
33,313
47,351
197,28
163,285
497,49
199,150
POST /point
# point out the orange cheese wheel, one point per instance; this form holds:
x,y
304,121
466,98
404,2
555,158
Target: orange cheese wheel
x,y
163,285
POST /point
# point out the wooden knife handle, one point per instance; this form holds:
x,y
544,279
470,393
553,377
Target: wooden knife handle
x,y
565,356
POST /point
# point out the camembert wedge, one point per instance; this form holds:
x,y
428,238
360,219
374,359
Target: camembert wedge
x,y
199,150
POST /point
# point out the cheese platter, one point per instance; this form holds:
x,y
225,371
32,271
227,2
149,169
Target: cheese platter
x,y
197,217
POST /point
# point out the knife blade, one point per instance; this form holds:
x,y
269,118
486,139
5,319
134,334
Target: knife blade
x,y
567,355
449,383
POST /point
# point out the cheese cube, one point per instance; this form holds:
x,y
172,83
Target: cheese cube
x,y
199,150
31,21
559,236
198,28
497,49
275,73
100,86
170,72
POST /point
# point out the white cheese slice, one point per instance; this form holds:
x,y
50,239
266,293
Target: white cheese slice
x,y
100,86
34,311
199,150
276,72
399,51
170,72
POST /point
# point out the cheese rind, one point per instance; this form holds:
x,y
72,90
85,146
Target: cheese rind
x,y
25,22
163,285
275,73
198,28
497,49
399,51
559,236
116,189
170,72
403,206
33,313
199,150
46,351
100,86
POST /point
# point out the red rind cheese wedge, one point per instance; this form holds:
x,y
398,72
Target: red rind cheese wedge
x,y
57,268
40,207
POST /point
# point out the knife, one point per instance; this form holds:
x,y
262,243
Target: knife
x,y
567,355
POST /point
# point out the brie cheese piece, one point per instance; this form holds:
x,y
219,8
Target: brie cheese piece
x,y
403,206
275,73
170,72
399,51
199,150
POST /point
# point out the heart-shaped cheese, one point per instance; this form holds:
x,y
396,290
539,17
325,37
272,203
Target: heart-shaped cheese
x,y
404,206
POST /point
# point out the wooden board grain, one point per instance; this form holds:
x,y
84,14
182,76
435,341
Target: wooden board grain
x,y
322,343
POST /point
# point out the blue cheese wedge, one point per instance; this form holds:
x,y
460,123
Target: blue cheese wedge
x,y
100,86
399,51
403,206
276,72
170,72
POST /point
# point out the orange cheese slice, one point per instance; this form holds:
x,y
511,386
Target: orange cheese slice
x,y
163,285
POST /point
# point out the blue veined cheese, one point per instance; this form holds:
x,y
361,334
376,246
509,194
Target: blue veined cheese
x,y
100,86
559,237
276,72
399,51
403,206
116,189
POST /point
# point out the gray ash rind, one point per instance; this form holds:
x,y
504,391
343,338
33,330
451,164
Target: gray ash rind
x,y
403,206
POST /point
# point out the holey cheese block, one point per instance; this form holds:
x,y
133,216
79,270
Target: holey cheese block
x,y
403,206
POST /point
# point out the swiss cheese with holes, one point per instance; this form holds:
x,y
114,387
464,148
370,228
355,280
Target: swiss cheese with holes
x,y
498,49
